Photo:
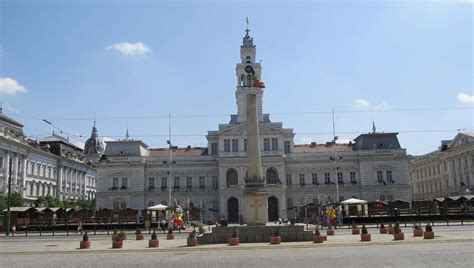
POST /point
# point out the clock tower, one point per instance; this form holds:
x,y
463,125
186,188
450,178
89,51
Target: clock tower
x,y
245,72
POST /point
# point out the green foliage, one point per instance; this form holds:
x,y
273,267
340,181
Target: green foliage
x,y
16,200
364,229
137,232
170,230
115,232
235,233
153,235
3,203
397,229
416,227
120,236
85,204
277,232
429,228
85,237
382,226
354,225
48,201
192,234
316,232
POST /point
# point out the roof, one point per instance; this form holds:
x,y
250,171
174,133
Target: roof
x,y
193,151
376,140
10,121
57,138
19,209
354,201
308,148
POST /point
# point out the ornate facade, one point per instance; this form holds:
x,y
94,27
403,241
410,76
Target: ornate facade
x,y
50,167
372,167
447,171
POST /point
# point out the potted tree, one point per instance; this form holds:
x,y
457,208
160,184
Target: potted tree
x,y
365,236
192,239
234,240
429,234
417,231
355,230
85,243
118,241
153,242
275,239
383,230
114,234
139,235
397,232
330,230
170,235
390,228
318,238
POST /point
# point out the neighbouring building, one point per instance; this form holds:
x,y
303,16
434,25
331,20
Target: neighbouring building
x,y
132,175
448,171
51,166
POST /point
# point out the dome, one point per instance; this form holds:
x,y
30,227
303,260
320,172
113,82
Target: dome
x,y
93,144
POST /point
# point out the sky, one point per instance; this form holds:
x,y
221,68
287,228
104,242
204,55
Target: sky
x,y
407,66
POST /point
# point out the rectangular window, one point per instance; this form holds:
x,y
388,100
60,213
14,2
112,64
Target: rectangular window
x,y
176,182
288,179
215,182
245,145
266,144
340,178
353,177
235,145
302,182
1,162
115,182
388,173
327,178
201,182
151,182
274,144
164,182
213,148
314,178
287,145
124,182
189,182
226,145
379,175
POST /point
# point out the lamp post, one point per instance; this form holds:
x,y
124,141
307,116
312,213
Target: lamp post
x,y
334,158
9,201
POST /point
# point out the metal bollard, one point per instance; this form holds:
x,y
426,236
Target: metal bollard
x,y
40,230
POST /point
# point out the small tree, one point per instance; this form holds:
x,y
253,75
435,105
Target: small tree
x,y
138,232
416,227
428,228
277,232
382,226
120,236
153,235
85,237
364,229
396,229
316,232
16,200
354,225
192,234
170,230
235,233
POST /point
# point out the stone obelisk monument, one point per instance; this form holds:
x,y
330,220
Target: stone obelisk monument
x,y
255,197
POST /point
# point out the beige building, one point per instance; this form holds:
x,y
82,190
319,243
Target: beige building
x,y
445,172
372,167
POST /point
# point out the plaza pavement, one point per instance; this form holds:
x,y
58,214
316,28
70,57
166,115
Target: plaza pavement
x,y
101,243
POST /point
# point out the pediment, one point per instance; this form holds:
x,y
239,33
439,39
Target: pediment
x,y
461,139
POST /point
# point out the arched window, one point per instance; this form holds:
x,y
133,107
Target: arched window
x,y
272,176
242,80
116,206
249,80
123,205
232,177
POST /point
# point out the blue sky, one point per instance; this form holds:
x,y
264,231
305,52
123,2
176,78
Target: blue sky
x,y
67,60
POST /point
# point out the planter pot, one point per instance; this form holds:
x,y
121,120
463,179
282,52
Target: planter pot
x,y
85,244
192,242
153,243
275,240
418,232
383,230
169,236
234,241
390,231
428,235
330,231
140,236
117,244
398,236
365,237
355,231
318,239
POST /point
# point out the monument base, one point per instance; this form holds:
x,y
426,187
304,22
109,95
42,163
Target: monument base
x,y
255,209
256,234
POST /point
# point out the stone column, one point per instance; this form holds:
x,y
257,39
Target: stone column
x,y
7,173
23,179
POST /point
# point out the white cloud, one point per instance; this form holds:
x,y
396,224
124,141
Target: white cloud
x,y
10,86
7,107
79,144
381,106
361,103
465,98
130,49
343,141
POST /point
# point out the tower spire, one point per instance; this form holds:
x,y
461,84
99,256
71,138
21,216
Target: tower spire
x,y
374,130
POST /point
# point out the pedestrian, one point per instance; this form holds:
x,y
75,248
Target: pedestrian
x,y
79,226
13,229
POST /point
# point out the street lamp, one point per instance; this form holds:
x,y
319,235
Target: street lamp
x,y
337,178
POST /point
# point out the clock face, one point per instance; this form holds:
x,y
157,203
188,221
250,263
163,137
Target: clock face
x,y
249,69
